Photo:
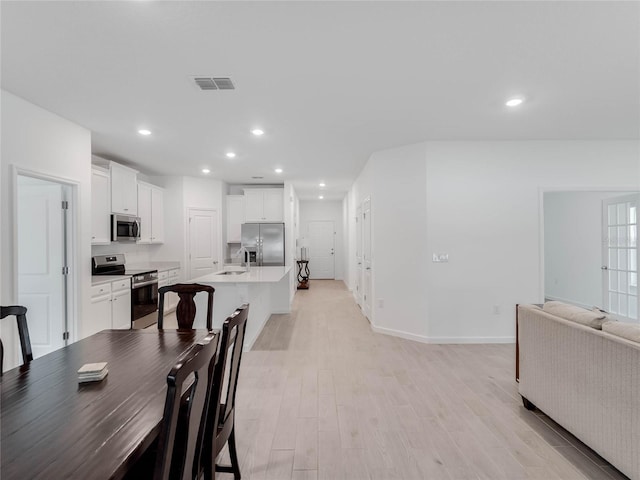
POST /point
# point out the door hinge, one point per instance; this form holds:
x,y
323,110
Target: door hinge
x,y
65,335
65,205
65,270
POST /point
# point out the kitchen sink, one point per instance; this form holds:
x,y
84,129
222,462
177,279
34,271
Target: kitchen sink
x,y
231,272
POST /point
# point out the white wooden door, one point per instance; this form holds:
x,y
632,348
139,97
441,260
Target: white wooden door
x,y
321,250
358,279
366,259
40,244
620,256
203,243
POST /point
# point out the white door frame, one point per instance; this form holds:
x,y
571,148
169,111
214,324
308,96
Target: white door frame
x,y
187,230
367,304
73,242
541,192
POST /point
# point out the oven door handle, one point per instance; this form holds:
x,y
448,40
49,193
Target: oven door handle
x,y
144,284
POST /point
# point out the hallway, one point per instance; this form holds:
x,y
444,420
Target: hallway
x,y
323,397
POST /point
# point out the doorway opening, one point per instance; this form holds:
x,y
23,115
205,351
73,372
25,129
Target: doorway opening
x,y
44,262
591,250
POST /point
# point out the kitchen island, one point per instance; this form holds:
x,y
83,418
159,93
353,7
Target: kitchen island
x,y
266,289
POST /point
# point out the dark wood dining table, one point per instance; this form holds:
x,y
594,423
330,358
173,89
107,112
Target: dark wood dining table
x,y
53,427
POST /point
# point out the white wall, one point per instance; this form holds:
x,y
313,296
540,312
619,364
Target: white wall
x,y
480,202
320,210
395,181
292,231
40,141
180,194
573,246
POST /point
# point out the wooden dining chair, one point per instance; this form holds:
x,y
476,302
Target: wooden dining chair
x,y
181,437
23,332
220,428
186,309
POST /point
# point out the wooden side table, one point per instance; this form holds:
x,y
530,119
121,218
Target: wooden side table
x,y
303,274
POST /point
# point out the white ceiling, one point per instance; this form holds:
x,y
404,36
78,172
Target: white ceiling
x,y
329,82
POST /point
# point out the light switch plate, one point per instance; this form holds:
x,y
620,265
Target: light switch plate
x,y
440,257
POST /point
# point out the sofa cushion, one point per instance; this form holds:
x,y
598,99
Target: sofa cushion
x,y
575,314
630,331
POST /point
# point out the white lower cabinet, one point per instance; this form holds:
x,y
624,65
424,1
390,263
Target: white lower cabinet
x,y
121,309
100,316
110,306
169,277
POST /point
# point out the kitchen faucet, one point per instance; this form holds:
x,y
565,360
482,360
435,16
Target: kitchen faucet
x,y
246,256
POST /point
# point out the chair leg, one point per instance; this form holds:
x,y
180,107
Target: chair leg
x,y
233,454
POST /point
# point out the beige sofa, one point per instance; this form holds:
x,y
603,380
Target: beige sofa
x,y
585,379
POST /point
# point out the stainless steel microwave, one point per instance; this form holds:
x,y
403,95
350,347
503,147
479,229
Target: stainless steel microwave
x,y
125,228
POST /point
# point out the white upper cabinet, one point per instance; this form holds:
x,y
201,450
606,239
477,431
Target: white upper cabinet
x,y
151,213
235,217
264,205
157,215
273,207
124,189
100,207
253,205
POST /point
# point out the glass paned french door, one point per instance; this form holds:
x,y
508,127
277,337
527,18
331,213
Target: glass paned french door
x,y
620,256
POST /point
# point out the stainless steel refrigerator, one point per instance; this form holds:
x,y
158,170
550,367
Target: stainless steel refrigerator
x,y
264,243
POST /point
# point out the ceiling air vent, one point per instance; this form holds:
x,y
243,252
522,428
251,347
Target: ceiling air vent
x,y
213,83
224,83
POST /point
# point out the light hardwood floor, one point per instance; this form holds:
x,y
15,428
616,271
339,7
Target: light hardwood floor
x,y
321,396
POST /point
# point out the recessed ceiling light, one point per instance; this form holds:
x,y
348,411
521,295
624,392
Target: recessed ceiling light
x,y
206,170
231,155
257,132
322,185
144,131
320,197
514,102
278,170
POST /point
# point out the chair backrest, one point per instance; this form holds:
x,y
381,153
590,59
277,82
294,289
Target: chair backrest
x,y
23,331
230,352
183,425
186,309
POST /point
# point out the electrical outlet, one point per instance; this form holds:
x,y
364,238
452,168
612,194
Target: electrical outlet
x,y
440,257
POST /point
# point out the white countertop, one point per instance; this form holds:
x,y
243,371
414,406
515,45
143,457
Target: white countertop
x,y
101,279
256,275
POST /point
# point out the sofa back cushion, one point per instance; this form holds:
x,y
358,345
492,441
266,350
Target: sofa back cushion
x,y
630,331
576,314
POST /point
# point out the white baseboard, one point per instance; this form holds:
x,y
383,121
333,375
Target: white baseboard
x,y
570,302
441,340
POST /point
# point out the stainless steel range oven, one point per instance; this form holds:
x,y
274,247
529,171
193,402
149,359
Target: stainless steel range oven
x,y
144,298
144,287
